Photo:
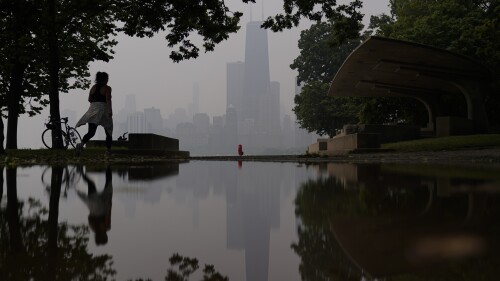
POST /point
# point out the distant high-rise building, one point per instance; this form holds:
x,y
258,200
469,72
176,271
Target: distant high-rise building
x,y
153,120
257,79
130,105
194,107
136,123
231,129
235,75
201,123
179,116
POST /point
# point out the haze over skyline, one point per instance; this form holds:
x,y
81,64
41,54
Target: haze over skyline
x,y
141,66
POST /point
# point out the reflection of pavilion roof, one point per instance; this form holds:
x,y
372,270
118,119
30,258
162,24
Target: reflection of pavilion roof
x,y
431,233
386,67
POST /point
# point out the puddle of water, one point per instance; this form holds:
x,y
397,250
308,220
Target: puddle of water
x,y
251,221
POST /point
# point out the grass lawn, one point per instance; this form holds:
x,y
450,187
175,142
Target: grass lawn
x,y
89,155
446,143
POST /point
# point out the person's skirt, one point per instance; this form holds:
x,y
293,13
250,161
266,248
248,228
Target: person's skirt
x,y
97,114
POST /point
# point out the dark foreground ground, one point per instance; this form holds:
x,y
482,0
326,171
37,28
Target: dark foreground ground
x,y
477,156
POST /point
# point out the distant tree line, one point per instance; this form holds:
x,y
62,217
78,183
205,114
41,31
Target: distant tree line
x,y
470,28
47,45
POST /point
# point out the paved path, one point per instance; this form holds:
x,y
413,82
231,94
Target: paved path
x,y
489,157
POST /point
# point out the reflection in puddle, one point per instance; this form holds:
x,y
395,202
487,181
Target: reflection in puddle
x,y
99,205
35,246
385,221
250,221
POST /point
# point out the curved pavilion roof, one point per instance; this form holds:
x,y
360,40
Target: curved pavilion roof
x,y
388,67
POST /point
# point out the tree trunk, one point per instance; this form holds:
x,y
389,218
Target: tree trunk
x,y
54,66
13,220
13,99
2,137
55,194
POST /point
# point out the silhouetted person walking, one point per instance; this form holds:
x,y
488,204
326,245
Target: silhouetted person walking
x,y
100,112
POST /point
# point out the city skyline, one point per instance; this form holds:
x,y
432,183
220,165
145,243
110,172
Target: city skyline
x,y
253,116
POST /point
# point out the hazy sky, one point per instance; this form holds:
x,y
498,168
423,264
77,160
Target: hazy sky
x,y
141,66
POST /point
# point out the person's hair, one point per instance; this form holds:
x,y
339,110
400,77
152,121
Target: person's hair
x,y
96,224
101,77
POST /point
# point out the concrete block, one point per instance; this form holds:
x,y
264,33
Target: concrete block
x,y
152,141
354,141
346,144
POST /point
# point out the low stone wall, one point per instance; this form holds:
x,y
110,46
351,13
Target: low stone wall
x,y
453,126
387,133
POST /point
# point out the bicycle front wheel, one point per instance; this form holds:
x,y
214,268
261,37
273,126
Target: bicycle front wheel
x,y
74,137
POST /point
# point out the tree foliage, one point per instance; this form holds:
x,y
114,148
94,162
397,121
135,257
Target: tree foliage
x,y
320,58
321,113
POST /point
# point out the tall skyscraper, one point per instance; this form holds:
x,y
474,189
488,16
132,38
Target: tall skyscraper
x,y
254,98
235,75
194,107
257,81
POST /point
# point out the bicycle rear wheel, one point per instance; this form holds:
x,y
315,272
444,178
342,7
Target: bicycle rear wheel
x,y
74,137
47,138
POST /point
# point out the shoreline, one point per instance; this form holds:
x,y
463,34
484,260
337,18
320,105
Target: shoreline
x,y
476,157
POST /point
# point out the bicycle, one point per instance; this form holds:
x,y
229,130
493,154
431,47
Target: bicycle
x,y
69,134
123,137
70,178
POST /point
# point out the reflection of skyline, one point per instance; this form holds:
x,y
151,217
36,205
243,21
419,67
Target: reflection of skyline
x,y
253,199
252,212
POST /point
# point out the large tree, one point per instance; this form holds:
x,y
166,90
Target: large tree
x,y
65,41
18,25
320,58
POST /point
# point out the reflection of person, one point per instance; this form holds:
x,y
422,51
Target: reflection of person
x,y
99,204
100,112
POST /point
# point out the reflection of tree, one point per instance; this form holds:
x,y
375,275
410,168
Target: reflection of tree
x,y
1,185
34,246
321,255
319,203
183,267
